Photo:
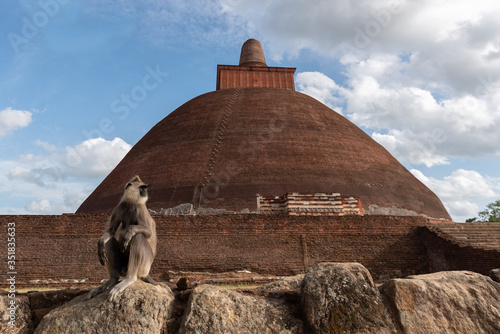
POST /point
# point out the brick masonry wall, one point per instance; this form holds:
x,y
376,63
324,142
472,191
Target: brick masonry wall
x,y
445,255
229,76
65,247
318,204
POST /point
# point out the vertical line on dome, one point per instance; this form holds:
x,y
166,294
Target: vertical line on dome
x,y
215,152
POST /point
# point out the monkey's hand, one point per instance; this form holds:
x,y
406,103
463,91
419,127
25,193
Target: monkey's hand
x,y
126,239
101,252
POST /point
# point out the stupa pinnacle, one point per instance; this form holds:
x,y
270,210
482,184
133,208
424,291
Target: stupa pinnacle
x,y
252,54
256,135
253,71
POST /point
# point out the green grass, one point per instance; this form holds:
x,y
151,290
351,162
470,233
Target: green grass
x,y
234,287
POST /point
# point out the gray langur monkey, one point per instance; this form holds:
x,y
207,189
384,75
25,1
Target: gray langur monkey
x,y
128,246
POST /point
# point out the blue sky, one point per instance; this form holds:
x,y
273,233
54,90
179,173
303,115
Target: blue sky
x,y
83,81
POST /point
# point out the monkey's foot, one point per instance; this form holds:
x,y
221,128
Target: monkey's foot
x,y
148,279
95,292
118,289
102,288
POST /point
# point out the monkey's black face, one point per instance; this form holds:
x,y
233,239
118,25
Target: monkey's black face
x,y
136,191
143,190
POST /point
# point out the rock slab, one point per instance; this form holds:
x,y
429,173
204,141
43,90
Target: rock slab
x,y
15,316
286,283
142,308
42,302
342,298
212,309
445,302
495,274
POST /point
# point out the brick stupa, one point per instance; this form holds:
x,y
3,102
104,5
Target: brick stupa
x,y
256,135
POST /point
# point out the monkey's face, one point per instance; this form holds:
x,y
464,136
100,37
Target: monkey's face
x,y
136,191
143,190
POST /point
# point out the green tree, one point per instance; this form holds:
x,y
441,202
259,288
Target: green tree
x,y
490,214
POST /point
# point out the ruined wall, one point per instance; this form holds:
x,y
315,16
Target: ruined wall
x,y
55,247
285,245
445,255
65,246
318,204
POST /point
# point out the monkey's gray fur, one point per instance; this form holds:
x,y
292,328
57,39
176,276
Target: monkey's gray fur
x,y
128,246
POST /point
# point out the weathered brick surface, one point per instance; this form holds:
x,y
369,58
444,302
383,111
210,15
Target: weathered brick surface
x,y
65,247
265,141
465,246
265,77
318,204
477,235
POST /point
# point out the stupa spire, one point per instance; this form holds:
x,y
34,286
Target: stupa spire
x,y
253,71
252,54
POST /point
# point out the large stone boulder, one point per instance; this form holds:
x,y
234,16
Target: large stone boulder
x,y
15,314
212,309
495,274
445,302
142,308
42,302
286,283
342,298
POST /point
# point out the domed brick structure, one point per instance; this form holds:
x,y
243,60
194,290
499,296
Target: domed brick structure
x,y
256,135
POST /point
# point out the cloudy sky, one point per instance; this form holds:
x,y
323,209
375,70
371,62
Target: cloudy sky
x,y
83,81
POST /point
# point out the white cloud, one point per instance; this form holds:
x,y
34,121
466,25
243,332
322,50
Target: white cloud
x,y
460,185
25,174
462,210
12,119
321,87
21,195
38,173
414,69
31,158
203,22
94,158
73,199
39,206
455,41
45,145
460,191
59,182
407,118
45,207
415,149
420,129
